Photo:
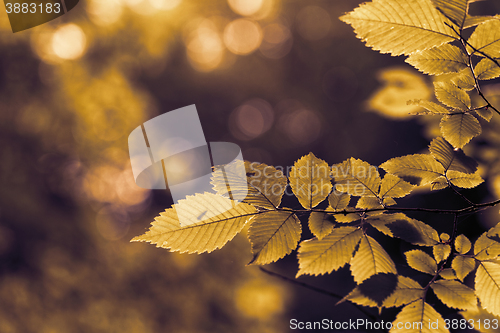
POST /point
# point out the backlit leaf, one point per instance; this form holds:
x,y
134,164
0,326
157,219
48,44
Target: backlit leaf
x,y
399,27
439,184
487,285
450,158
487,70
455,10
417,317
356,178
449,94
370,259
482,316
486,38
431,107
401,226
265,184
348,217
438,60
464,180
462,266
330,253
455,294
310,180
321,224
421,261
486,248
394,187
485,113
339,201
463,79
459,129
471,21
369,203
462,244
407,291
417,169
227,219
448,274
374,290
441,252
273,235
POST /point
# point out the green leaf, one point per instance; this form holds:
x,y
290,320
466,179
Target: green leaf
x,y
486,248
455,294
462,266
339,201
459,129
487,285
452,96
310,180
370,259
273,235
486,38
394,187
487,70
224,219
450,158
417,169
441,252
356,178
330,253
464,180
399,27
419,314
421,261
431,107
401,226
439,60
462,244
321,224
455,10
407,291
264,184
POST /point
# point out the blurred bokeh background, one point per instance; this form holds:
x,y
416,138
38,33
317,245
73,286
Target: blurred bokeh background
x,y
279,78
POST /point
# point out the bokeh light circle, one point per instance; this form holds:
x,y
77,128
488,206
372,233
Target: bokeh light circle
x,y
245,7
242,36
69,42
251,119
